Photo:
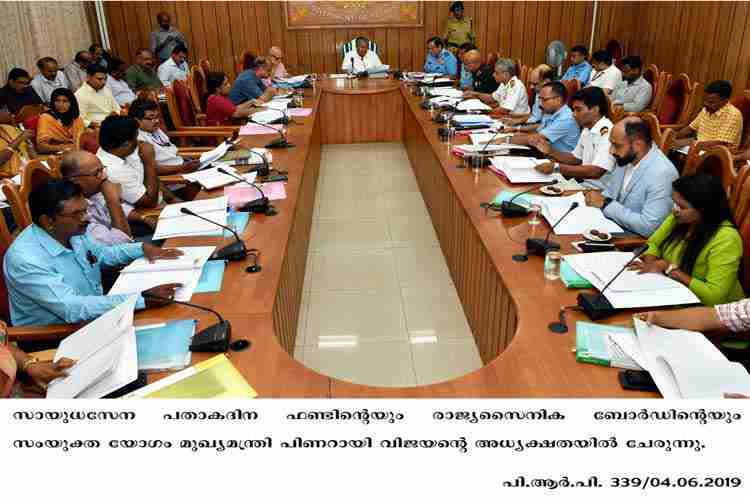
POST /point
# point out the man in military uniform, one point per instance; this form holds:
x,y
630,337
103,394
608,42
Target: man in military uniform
x,y
510,98
484,81
590,159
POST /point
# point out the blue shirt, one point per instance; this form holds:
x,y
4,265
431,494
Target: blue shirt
x,y
247,86
445,63
536,111
561,129
50,284
580,72
467,79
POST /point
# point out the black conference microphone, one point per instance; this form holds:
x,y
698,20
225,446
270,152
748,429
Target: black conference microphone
x,y
258,206
214,338
595,305
538,246
233,251
511,209
281,142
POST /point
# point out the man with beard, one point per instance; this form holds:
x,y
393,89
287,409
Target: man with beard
x,y
638,196
163,41
634,92
142,75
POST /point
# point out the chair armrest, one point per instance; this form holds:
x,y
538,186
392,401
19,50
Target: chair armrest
x,y
192,149
676,126
49,332
194,132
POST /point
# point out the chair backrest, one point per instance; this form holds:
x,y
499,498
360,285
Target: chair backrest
x,y
198,80
195,98
351,45
6,238
28,111
742,102
205,65
616,50
677,101
523,75
651,75
740,203
571,86
715,160
34,174
180,105
492,58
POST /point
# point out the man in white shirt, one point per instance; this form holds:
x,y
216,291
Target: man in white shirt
x,y
607,76
361,59
75,72
174,68
95,100
590,160
510,98
117,84
48,79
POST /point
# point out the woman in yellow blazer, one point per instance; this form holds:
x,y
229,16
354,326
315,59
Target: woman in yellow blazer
x,y
58,128
698,244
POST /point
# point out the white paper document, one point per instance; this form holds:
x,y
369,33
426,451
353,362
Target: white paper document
x,y
519,170
473,119
292,79
268,116
472,105
446,92
277,104
580,220
210,156
657,291
211,178
485,137
173,223
105,354
686,364
141,275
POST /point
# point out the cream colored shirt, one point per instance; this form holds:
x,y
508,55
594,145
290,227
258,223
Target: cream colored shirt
x,y
96,105
512,96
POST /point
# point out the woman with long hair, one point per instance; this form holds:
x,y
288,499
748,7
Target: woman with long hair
x,y
60,125
698,244
219,109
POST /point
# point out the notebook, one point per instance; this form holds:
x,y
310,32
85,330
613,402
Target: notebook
x,y
164,346
173,223
596,344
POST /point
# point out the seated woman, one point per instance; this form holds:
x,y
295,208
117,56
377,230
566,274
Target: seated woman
x,y
14,363
16,149
698,244
219,109
58,128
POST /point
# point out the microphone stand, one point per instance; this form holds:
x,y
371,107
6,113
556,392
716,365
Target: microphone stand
x,y
280,142
233,251
259,206
214,338
511,209
537,246
596,305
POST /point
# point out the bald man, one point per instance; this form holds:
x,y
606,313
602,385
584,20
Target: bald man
x,y
530,122
108,222
276,58
483,74
638,194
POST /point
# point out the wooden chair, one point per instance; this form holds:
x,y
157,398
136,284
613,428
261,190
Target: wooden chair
x,y
492,58
34,174
245,61
571,86
30,110
197,84
715,160
181,113
651,75
677,102
740,200
205,65
524,75
351,45
616,50
661,138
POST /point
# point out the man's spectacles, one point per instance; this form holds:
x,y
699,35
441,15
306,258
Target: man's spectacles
x,y
78,214
545,99
96,173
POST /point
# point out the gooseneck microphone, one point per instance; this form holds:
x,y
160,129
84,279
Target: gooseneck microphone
x,y
595,305
280,142
257,206
233,251
538,246
511,209
214,338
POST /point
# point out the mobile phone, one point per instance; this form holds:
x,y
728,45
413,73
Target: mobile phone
x,y
276,178
637,380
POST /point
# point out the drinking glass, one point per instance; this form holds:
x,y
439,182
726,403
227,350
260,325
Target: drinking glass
x,y
552,262
476,161
534,210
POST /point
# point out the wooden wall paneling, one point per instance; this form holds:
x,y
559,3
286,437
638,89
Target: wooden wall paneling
x,y
735,45
566,21
264,30
542,25
555,18
185,21
223,17
198,50
116,26
480,25
392,57
717,54
494,31
516,36
743,62
529,33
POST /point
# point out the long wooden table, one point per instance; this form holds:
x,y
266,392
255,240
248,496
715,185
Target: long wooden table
x,y
508,304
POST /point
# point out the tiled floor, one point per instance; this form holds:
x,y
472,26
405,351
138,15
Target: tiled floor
x,y
379,306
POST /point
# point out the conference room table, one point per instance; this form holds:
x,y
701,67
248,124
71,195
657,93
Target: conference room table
x,y
508,304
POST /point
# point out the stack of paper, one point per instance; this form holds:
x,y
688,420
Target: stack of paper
x,y
255,129
291,79
277,104
141,274
473,105
211,178
105,355
268,116
444,101
214,378
242,194
580,220
210,156
485,137
473,120
686,364
173,223
164,346
446,92
600,345
630,290
382,68
518,169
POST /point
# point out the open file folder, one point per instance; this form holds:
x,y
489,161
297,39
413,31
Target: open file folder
x,y
173,223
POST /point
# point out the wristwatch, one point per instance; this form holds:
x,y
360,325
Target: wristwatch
x,y
556,168
669,269
28,362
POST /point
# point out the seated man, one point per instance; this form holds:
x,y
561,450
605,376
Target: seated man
x,y
95,100
718,123
558,125
117,84
361,59
638,196
120,153
276,60
482,77
142,75
52,269
48,79
538,78
168,162
466,82
634,92
17,93
510,98
75,72
439,60
579,68
590,160
108,220
174,68
249,84
606,75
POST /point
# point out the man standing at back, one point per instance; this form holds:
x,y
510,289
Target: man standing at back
x,y
163,41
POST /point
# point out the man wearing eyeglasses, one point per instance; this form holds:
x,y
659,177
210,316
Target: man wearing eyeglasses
x,y
558,127
276,58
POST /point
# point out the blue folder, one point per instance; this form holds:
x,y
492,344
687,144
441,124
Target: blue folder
x,y
211,277
166,346
237,221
